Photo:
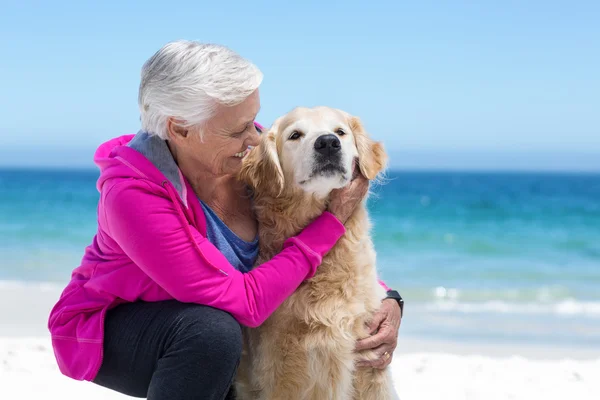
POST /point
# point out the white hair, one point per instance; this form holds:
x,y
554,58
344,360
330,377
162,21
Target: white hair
x,y
187,80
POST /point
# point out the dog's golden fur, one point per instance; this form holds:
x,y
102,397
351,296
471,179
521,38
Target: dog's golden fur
x,y
305,349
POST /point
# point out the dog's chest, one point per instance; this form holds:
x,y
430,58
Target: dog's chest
x,y
344,287
341,295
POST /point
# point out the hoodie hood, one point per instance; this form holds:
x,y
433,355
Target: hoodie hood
x,y
142,156
139,156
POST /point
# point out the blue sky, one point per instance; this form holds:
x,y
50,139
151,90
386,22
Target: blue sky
x,y
511,84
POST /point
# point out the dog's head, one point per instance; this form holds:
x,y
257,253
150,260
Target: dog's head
x,y
314,150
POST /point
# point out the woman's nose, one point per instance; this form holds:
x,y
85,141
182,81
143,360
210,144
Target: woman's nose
x,y
253,138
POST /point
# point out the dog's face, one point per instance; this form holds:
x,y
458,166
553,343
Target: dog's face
x,y
315,150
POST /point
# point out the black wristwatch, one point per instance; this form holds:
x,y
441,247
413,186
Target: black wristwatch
x,y
392,294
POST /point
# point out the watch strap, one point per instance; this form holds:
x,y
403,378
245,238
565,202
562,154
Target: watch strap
x,y
393,294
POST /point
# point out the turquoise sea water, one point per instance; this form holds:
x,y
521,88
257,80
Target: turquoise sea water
x,y
477,256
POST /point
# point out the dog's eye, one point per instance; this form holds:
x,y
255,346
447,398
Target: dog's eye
x,y
295,135
340,132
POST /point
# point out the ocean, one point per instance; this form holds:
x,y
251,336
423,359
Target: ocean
x,y
478,257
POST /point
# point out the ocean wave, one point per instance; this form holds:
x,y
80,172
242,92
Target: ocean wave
x,y
517,294
565,308
543,294
444,301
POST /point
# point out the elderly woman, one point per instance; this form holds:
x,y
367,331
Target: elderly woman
x,y
155,308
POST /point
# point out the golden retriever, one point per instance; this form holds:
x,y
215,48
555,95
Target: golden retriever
x,y
305,349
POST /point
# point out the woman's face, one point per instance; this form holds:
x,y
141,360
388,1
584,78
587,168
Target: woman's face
x,y
225,140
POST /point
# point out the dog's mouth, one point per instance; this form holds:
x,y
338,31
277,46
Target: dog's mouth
x,y
326,169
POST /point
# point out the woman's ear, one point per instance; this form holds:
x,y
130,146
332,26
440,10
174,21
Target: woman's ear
x,y
175,129
261,168
372,158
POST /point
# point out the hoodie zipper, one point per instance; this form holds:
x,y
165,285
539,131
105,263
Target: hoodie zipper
x,y
175,199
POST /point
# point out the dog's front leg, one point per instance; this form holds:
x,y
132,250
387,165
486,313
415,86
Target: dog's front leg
x,y
373,384
334,379
281,369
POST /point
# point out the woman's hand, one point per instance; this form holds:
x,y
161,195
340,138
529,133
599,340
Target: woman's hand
x,y
383,327
343,202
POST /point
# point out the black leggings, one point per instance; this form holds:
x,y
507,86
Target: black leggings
x,y
170,350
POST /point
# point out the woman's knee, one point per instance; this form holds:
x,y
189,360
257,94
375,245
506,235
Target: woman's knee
x,y
209,333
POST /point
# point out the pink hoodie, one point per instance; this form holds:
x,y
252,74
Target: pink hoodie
x,y
151,245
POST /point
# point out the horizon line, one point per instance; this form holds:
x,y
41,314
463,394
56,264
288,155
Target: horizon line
x,y
395,169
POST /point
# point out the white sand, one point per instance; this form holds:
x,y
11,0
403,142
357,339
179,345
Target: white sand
x,y
28,371
423,370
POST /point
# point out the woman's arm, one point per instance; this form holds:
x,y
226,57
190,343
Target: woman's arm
x,y
152,233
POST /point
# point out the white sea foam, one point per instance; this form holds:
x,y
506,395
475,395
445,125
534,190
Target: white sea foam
x,y
565,307
542,294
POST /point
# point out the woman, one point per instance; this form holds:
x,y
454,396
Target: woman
x,y
154,310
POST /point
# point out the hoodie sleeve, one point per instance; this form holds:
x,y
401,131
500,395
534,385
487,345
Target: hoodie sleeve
x,y
155,235
384,285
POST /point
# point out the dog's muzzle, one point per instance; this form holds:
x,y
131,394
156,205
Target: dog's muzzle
x,y
328,156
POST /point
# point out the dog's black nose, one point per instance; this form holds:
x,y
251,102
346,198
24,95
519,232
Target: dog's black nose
x,y
327,144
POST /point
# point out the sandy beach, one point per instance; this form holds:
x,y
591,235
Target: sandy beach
x,y
28,371
422,370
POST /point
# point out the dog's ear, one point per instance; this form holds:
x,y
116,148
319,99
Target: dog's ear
x,y
372,158
261,168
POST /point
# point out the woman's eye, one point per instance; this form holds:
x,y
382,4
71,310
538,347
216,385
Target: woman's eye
x,y
238,134
295,135
340,132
